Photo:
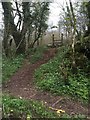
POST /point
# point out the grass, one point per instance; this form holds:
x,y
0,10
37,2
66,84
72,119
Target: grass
x,y
10,66
36,54
21,107
49,77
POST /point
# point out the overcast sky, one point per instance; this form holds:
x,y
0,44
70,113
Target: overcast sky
x,y
56,9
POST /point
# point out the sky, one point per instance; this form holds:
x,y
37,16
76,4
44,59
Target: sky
x,y
56,10
54,14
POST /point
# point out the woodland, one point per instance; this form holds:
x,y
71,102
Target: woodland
x,y
45,81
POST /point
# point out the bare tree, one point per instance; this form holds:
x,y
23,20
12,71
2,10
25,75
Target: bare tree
x,y
31,17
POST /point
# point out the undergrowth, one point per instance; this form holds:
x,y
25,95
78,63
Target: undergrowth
x,y
36,53
23,108
10,66
30,110
0,69
50,77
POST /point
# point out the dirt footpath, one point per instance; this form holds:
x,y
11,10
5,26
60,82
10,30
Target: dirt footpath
x,y
22,85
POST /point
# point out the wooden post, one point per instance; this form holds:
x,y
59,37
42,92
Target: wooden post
x,y
52,40
59,30
62,38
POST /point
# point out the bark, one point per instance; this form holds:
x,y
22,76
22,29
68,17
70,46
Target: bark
x,y
11,29
88,13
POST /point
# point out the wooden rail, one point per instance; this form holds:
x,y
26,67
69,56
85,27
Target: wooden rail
x,y
57,43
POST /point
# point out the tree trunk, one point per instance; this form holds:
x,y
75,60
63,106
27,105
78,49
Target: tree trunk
x,y
88,11
11,29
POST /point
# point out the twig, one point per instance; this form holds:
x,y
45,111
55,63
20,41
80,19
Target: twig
x,y
57,102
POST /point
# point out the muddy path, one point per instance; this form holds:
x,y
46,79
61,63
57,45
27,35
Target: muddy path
x,y
21,85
